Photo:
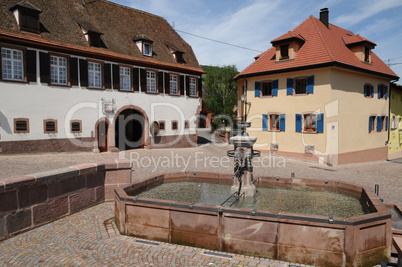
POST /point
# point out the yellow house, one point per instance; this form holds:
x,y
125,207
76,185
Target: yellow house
x,y
319,94
395,122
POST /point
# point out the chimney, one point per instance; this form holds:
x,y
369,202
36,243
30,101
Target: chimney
x,y
324,16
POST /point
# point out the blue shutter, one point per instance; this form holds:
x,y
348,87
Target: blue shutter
x,y
310,84
365,90
379,91
370,123
386,123
264,122
386,92
282,122
257,89
298,123
289,86
320,123
372,90
379,123
275,87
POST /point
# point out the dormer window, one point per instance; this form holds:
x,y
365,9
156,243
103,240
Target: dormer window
x,y
144,43
287,46
27,16
284,49
360,46
91,33
367,54
177,54
148,49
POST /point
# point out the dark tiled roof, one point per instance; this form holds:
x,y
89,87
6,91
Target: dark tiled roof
x,y
25,4
88,26
119,25
142,37
322,46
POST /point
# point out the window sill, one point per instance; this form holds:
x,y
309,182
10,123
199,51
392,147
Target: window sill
x,y
14,81
174,94
193,96
95,88
273,131
126,91
309,132
152,93
59,85
266,96
369,97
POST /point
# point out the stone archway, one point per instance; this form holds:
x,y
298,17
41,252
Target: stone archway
x,y
131,127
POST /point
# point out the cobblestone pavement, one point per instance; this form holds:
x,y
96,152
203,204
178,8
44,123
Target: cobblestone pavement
x,y
90,238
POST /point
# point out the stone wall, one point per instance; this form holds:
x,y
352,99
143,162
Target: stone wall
x,y
28,201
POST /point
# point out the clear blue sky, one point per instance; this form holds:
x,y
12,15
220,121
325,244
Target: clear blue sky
x,y
254,23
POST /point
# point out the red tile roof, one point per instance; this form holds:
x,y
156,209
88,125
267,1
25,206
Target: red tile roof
x,y
118,24
322,47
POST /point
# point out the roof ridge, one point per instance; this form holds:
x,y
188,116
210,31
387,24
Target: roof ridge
x,y
254,62
130,8
322,38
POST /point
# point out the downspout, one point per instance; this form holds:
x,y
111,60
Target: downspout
x,y
245,104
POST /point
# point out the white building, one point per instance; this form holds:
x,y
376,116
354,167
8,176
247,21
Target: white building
x,y
93,75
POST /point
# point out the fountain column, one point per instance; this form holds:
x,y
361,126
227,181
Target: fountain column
x,y
243,153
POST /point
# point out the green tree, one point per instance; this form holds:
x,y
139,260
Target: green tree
x,y
220,90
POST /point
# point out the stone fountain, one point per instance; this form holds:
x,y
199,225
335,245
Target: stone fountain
x,y
243,153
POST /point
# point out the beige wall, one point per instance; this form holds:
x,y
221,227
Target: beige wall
x,y
339,94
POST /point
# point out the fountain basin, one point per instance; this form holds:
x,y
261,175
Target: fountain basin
x,y
319,240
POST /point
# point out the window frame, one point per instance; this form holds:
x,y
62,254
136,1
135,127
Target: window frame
x,y
45,128
313,118
147,81
171,75
130,78
164,125
26,120
102,87
394,124
177,125
366,55
295,81
383,122
370,88
14,48
67,58
195,87
277,122
71,126
383,90
262,87
144,44
283,48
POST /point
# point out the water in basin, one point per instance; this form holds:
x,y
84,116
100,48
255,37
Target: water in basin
x,y
303,200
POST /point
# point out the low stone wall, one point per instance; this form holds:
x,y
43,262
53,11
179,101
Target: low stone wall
x,y
310,239
29,201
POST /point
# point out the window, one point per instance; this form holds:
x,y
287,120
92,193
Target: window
x,y
162,125
50,126
175,125
174,88
147,49
21,125
400,123
382,123
193,87
372,123
366,54
94,75
266,88
58,70
393,122
301,86
12,64
382,91
274,122
125,79
76,126
284,51
310,123
368,90
186,125
151,82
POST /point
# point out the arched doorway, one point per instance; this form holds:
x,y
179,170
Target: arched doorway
x,y
129,129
